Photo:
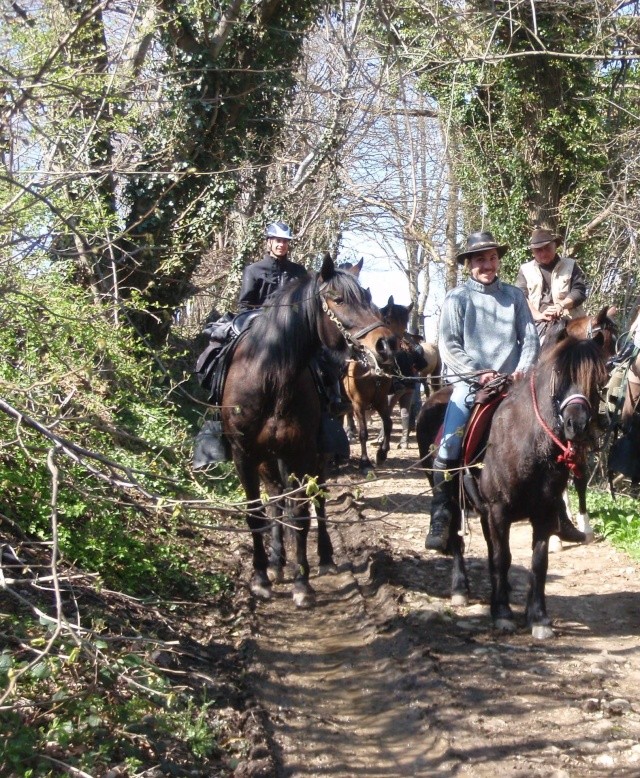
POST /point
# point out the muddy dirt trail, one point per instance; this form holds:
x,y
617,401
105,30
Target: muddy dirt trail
x,y
384,678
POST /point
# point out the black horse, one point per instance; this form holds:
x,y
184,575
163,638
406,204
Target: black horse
x,y
271,409
539,437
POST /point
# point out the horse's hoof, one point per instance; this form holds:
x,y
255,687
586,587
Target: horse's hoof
x,y
261,588
276,575
460,599
555,544
329,569
304,598
541,632
381,457
505,625
589,537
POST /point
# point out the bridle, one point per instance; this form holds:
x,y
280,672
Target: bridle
x,y
359,352
568,454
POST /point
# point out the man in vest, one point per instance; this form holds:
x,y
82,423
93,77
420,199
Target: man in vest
x,y
555,286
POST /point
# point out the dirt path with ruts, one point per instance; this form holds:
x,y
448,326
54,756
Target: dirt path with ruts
x,y
384,678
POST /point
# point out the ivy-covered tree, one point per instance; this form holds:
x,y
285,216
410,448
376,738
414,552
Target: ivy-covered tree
x,y
540,98
131,129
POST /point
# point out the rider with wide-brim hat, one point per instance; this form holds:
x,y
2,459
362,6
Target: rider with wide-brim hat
x,y
555,286
485,329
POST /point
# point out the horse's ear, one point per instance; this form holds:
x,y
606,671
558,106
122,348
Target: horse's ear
x,y
328,269
556,332
367,294
409,307
605,313
358,267
390,302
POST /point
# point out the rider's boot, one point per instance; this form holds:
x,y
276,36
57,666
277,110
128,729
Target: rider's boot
x,y
444,504
338,405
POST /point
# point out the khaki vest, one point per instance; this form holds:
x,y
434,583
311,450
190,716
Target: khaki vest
x,y
560,283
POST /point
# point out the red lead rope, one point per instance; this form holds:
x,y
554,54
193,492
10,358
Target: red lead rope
x,y
569,456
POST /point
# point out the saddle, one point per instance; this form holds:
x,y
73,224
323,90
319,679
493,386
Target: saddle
x,y
213,363
475,434
477,430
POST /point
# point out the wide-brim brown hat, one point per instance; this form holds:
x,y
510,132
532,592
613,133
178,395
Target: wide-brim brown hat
x,y
541,237
481,241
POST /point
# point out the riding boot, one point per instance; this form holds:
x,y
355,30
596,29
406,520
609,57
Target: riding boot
x,y
404,438
444,505
569,533
338,405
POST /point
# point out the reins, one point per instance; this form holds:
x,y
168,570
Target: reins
x,y
568,455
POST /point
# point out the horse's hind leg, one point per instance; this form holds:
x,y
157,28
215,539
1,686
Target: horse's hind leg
x,y
325,546
459,579
273,479
499,563
260,584
303,593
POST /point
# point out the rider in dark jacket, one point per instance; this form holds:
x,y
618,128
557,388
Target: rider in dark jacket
x,y
261,279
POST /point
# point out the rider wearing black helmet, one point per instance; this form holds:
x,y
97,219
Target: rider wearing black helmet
x,y
261,279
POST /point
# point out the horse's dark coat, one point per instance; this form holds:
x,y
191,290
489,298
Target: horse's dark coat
x,y
271,410
522,477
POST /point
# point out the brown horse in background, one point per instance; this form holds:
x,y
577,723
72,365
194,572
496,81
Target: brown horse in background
x,y
368,388
271,408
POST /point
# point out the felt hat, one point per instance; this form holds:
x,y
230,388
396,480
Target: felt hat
x,y
481,241
541,237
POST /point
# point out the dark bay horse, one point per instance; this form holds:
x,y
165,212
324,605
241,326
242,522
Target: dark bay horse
x,y
540,433
368,388
604,330
271,409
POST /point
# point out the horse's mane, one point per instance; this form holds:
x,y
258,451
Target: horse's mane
x,y
573,362
281,342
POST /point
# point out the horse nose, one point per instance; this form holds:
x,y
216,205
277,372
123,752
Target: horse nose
x,y
386,349
575,427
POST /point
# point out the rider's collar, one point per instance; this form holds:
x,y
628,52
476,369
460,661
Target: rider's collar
x,y
492,288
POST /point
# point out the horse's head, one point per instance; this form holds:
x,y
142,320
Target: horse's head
x,y
351,320
352,268
601,328
396,316
575,371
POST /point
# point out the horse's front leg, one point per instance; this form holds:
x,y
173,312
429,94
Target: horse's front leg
x,y
363,435
385,443
498,528
582,519
536,611
352,434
